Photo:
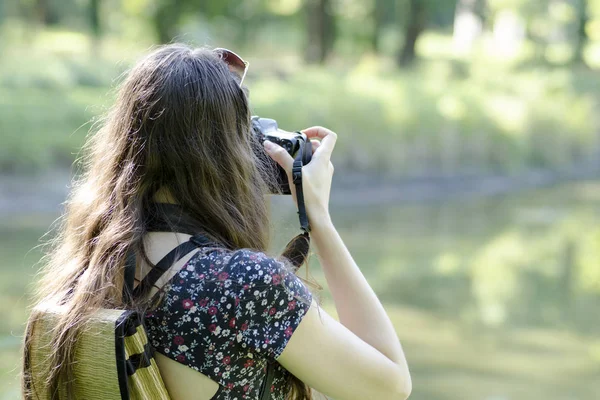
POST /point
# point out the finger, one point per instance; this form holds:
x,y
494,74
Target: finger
x,y
280,155
328,138
316,132
315,145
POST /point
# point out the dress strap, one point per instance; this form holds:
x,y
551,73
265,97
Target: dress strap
x,y
163,265
163,217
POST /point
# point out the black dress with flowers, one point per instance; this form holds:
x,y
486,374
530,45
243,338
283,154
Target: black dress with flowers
x,y
228,314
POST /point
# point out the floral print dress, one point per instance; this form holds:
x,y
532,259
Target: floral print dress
x,y
227,314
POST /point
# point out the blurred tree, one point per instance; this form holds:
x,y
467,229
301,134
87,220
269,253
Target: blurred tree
x,y
442,14
378,14
320,29
382,13
415,24
244,18
582,38
249,17
95,26
95,18
165,19
46,14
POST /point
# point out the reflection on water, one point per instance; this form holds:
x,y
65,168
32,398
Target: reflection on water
x,y
510,287
530,259
493,298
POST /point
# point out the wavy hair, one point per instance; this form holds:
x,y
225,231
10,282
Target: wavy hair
x,y
180,123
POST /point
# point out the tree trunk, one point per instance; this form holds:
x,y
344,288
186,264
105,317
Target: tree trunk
x,y
45,14
582,37
95,18
165,20
41,10
415,25
378,16
320,29
95,26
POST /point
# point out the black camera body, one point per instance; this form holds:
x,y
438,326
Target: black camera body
x,y
295,143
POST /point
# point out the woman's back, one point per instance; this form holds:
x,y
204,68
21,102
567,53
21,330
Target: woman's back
x,y
226,315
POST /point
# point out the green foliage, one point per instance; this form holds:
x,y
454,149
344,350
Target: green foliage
x,y
493,120
45,112
445,117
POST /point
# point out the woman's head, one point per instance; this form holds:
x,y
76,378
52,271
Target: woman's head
x,y
181,122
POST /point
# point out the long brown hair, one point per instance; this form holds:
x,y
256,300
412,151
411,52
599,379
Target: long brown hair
x,y
181,122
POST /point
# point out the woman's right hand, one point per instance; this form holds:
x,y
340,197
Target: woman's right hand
x,y
316,175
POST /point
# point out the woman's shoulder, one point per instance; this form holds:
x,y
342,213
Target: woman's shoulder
x,y
243,271
259,275
238,265
246,259
225,257
252,266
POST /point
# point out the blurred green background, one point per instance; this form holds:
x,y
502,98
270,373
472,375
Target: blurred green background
x,y
467,163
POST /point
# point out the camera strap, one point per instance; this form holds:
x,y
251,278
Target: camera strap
x,y
298,248
297,180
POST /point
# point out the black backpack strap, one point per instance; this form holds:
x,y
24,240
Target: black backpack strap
x,y
167,261
265,390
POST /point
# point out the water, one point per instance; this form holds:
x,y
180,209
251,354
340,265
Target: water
x,y
492,298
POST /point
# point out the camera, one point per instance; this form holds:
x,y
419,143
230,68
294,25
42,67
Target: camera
x,y
295,143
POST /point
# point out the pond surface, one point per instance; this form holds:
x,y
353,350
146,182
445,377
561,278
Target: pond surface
x,y
493,298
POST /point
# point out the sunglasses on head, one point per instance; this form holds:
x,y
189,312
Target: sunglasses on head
x,y
236,63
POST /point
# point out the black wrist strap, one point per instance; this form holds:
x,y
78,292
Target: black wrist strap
x,y
297,180
297,249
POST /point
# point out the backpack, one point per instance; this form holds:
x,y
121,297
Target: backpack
x,y
114,359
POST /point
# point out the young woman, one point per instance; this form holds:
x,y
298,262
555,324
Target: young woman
x,y
180,134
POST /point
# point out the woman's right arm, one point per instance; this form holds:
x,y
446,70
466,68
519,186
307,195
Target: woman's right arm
x,y
359,357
